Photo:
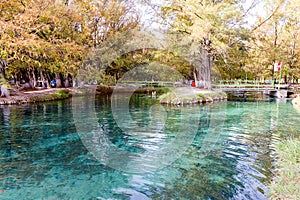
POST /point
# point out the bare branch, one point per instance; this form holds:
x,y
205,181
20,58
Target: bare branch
x,y
268,18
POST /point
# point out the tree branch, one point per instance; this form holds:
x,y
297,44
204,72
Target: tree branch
x,y
268,18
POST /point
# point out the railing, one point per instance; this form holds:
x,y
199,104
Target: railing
x,y
142,84
223,84
242,84
238,84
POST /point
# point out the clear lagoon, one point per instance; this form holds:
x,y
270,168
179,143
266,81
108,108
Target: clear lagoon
x,y
228,151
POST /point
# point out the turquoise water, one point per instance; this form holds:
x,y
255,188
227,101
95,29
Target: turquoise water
x,y
230,156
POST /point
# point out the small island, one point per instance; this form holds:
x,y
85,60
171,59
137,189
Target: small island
x,y
190,95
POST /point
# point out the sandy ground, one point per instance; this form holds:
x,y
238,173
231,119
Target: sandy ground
x,y
44,91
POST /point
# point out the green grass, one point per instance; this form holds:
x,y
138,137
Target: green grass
x,y
286,183
61,94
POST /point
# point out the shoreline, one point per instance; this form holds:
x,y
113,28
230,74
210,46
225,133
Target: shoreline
x,y
184,95
32,96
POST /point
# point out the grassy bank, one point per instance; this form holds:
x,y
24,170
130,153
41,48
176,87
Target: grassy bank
x,y
36,96
59,95
286,183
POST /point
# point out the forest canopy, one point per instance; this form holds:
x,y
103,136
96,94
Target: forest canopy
x,y
45,40
50,39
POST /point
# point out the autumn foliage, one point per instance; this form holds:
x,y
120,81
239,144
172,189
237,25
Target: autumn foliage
x,y
50,39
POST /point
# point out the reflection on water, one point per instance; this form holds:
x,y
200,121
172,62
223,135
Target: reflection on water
x,y
230,157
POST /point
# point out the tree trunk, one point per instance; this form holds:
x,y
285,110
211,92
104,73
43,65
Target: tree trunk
x,y
275,45
201,70
74,82
58,80
204,71
207,77
28,78
42,75
4,91
3,65
66,82
34,78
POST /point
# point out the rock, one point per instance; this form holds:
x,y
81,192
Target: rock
x,y
296,103
4,91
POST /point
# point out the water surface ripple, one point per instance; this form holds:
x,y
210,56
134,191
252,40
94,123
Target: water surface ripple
x,y
231,156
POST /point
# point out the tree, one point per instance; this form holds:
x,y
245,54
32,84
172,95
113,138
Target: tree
x,y
111,16
39,38
210,27
275,39
46,40
291,42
